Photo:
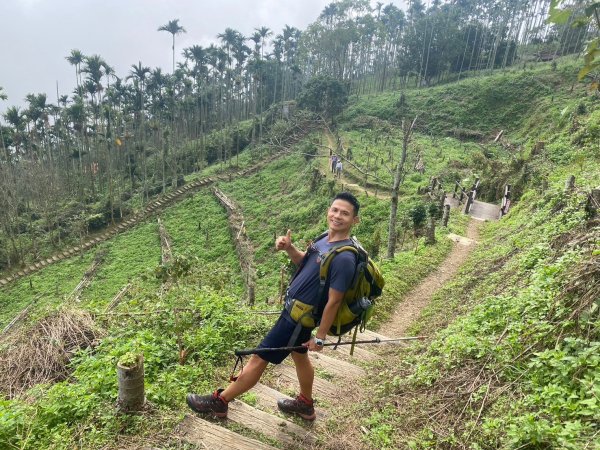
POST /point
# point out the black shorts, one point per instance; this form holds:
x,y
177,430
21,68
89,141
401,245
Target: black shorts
x,y
279,336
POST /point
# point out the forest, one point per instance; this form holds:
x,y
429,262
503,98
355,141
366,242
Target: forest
x,y
120,139
138,216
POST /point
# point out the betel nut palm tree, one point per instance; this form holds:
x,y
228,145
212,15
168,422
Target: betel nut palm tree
x,y
174,28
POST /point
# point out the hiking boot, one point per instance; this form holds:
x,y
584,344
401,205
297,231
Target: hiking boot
x,y
208,404
299,405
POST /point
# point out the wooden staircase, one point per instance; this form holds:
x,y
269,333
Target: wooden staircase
x,y
263,422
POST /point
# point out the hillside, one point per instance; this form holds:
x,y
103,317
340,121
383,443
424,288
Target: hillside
x,y
511,359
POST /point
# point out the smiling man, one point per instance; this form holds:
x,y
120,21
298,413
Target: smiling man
x,y
304,313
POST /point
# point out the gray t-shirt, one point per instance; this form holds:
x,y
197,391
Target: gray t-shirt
x,y
305,287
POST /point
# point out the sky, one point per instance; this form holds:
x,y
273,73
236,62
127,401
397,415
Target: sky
x,y
37,35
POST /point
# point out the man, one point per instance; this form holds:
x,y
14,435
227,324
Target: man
x,y
342,215
338,168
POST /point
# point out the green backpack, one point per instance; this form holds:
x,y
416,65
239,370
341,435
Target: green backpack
x,y
359,300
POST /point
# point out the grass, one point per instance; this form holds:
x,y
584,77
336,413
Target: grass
x,y
49,286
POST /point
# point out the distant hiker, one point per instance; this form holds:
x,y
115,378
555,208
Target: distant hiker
x,y
338,169
334,160
302,294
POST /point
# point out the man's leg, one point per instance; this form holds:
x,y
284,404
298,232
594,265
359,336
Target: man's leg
x,y
302,405
216,403
247,378
305,373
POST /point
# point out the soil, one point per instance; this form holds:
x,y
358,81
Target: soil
x,y
410,309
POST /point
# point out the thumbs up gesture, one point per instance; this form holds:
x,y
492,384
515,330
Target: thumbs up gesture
x,y
284,242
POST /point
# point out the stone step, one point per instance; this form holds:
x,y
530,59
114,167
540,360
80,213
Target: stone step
x,y
205,434
270,425
461,239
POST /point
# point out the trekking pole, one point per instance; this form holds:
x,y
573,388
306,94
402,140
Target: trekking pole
x,y
256,351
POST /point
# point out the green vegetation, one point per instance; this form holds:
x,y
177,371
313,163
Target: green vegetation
x,y
526,325
513,363
512,359
49,287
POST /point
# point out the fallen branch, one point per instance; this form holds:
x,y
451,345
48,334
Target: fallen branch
x,y
19,316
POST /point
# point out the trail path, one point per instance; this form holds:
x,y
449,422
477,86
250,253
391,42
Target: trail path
x,y
410,309
336,370
345,180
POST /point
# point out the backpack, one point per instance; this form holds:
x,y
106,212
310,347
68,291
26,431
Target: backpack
x,y
357,306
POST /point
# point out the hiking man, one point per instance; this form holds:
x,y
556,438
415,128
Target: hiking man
x,y
338,168
342,215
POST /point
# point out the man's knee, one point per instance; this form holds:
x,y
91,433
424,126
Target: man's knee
x,y
301,359
255,366
257,361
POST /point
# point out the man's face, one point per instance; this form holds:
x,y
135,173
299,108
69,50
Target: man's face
x,y
340,216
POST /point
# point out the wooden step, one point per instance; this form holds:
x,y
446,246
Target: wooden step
x,y
275,427
266,399
205,434
336,367
359,352
286,378
370,335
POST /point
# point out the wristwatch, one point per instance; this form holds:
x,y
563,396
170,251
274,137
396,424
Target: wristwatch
x,y
319,342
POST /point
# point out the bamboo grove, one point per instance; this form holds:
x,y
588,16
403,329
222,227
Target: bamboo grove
x,y
85,161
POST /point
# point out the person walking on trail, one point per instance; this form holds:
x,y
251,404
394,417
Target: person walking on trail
x,y
338,169
303,290
334,160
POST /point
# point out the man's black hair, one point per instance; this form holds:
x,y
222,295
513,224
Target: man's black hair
x,y
350,198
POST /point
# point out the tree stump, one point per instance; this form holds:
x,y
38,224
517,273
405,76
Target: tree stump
x,y
131,386
593,202
251,294
570,183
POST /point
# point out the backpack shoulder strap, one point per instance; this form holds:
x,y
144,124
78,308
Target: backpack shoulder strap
x,y
328,258
306,256
326,263
321,236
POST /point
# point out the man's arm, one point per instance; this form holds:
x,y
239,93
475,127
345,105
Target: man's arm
x,y
285,243
334,301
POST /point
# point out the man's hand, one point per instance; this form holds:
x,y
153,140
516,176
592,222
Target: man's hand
x,y
284,242
312,345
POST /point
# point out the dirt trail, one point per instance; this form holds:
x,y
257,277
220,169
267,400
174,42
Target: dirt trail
x,y
346,182
410,309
